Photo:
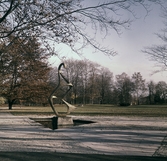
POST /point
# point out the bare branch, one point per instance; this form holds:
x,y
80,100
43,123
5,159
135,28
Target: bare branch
x,y
67,22
7,12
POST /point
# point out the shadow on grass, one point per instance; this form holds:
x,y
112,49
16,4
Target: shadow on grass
x,y
40,156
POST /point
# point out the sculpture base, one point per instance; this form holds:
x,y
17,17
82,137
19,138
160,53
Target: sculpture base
x,y
61,121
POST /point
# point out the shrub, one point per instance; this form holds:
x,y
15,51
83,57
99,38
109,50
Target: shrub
x,y
2,100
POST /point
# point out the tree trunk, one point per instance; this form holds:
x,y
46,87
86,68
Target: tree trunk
x,y
10,103
138,102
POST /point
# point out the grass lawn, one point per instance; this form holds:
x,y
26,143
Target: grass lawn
x,y
99,110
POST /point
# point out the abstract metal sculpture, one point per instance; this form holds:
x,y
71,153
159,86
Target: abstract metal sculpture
x,y
68,105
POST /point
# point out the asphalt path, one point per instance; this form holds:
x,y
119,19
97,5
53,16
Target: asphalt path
x,y
110,138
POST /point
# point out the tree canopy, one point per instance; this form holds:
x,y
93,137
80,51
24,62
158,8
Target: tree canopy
x,y
24,71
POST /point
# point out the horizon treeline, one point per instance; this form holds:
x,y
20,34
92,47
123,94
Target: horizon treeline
x,y
95,84
92,84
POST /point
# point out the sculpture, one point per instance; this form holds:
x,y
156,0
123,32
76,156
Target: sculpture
x,y
68,105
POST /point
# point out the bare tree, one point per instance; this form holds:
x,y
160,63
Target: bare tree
x,y
66,21
124,87
75,70
139,85
105,84
85,78
161,92
151,89
91,82
158,52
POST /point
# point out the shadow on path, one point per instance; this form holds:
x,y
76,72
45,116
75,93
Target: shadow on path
x,y
37,156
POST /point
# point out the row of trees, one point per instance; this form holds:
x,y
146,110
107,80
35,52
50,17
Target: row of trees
x,y
26,77
93,83
27,24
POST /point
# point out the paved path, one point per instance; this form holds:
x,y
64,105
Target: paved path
x,y
118,136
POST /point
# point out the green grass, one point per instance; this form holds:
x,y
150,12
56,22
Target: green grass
x,y
154,111
97,110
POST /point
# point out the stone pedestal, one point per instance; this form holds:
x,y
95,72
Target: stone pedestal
x,y
61,121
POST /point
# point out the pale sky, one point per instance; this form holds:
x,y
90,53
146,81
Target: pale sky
x,y
129,44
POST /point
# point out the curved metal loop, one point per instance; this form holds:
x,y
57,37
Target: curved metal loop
x,y
50,99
